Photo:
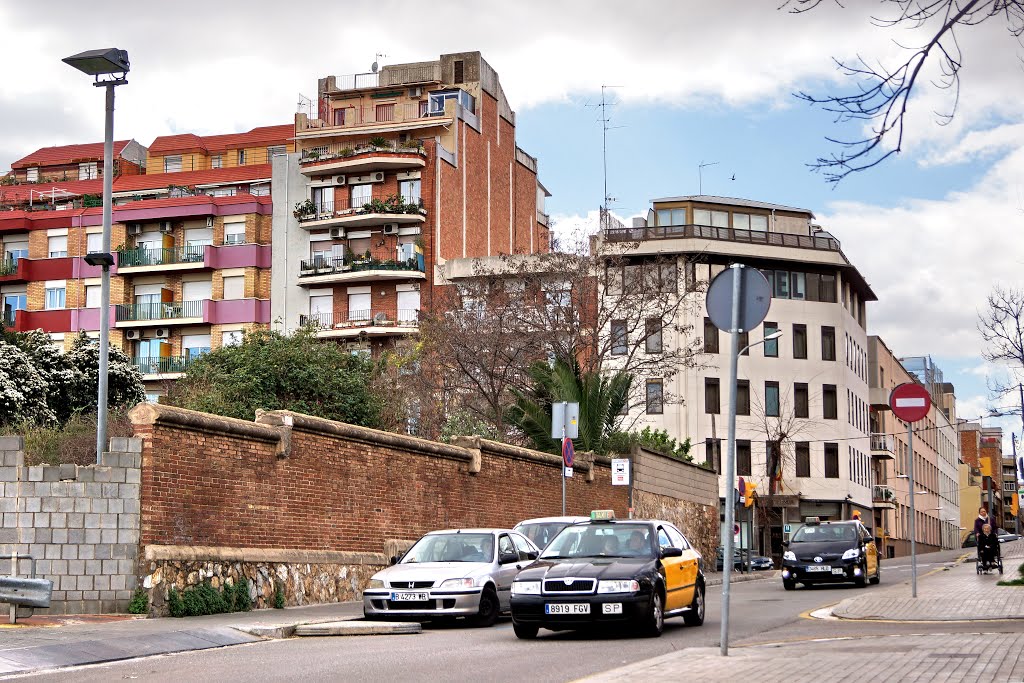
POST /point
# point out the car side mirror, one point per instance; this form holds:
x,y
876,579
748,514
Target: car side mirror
x,y
785,544
508,558
671,552
532,555
395,558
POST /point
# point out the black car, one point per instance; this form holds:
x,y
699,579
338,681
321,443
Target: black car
x,y
739,560
830,552
607,572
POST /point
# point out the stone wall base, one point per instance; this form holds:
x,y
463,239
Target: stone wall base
x,y
698,522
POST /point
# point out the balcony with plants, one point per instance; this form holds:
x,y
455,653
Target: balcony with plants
x,y
883,496
143,259
374,322
340,212
376,154
364,267
167,365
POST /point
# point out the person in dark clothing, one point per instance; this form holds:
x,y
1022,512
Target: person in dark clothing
x,y
988,547
981,520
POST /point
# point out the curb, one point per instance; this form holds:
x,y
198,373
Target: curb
x,y
358,628
741,578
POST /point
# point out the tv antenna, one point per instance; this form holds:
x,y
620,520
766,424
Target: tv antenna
x,y
605,120
375,67
700,175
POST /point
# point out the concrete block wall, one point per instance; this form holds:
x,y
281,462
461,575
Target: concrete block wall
x,y
81,524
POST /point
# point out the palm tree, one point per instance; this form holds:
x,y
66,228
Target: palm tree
x,y
602,400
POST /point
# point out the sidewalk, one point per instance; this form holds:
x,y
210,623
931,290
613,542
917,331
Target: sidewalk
x,y
30,648
959,594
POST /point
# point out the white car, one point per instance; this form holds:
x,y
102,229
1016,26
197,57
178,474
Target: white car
x,y
543,529
452,573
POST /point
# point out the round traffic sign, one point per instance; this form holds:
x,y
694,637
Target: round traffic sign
x,y
910,402
755,298
568,452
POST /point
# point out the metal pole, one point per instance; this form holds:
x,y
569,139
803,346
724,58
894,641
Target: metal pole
x,y
913,521
1016,518
563,461
108,184
730,458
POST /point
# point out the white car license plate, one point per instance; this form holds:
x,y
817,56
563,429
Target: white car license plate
x,y
837,571
819,568
612,608
410,597
567,608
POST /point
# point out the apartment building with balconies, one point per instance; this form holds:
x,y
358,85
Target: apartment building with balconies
x,y
1011,506
394,173
190,152
936,456
802,400
68,163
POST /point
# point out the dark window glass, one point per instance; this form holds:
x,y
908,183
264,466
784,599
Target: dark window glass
x,y
620,338
655,396
712,402
803,459
813,280
781,284
743,458
827,288
742,397
801,400
830,402
832,461
799,341
771,399
744,343
771,347
710,336
652,335
828,343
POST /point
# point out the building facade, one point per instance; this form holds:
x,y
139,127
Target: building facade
x,y
77,162
803,432
981,449
393,174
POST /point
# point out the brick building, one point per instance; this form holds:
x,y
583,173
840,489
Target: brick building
x,y
76,162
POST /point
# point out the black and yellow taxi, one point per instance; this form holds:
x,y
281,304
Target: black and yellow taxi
x,y
830,552
607,572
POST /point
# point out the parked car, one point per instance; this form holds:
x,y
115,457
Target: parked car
x,y
542,529
452,573
830,552
1006,536
739,560
606,572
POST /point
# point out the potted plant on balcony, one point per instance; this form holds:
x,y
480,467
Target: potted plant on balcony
x,y
310,154
346,152
304,209
379,142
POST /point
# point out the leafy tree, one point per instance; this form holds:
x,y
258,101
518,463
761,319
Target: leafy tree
x,y
602,399
54,369
22,388
273,371
124,381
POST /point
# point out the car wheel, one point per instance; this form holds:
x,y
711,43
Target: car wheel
x,y
877,578
789,585
487,615
861,580
695,617
525,631
654,622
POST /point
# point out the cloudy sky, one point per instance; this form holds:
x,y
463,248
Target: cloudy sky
x,y
709,82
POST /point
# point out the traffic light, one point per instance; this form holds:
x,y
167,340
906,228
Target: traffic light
x,y
750,494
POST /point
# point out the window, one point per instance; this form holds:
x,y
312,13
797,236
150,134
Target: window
x,y
459,71
55,296
172,164
321,309
57,247
655,397
92,296
801,400
712,397
359,306
197,290
797,286
828,343
741,221
410,191
781,284
385,112
241,157
671,217
234,287
234,233
88,171
652,335
742,397
195,345
620,338
361,194
803,459
408,306
232,338
831,461
713,453
827,288
771,399
771,347
799,341
339,116
830,402
274,151
744,343
710,336
717,219
94,243
217,161
743,468
759,223
12,303
32,175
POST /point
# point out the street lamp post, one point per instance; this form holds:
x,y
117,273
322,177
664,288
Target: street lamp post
x,y
110,68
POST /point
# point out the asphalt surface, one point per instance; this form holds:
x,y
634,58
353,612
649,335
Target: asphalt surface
x,y
761,612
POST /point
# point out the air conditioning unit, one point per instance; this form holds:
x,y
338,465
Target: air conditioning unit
x,y
162,332
133,335
337,233
166,227
377,177
135,228
209,221
391,228
416,92
339,180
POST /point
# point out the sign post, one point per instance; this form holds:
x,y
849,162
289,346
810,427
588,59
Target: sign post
x,y
911,402
565,418
737,301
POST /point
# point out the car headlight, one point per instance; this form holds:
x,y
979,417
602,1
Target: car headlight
x,y
851,554
526,588
789,555
617,587
458,583
375,583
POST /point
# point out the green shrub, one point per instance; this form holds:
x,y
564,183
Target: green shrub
x,y
278,596
241,602
139,603
175,605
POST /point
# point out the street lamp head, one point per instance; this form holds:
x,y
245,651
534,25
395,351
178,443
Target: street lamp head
x,y
104,260
109,61
774,335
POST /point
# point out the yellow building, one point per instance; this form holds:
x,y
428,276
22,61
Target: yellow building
x,y
189,152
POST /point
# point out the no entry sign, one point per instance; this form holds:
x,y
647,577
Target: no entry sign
x,y
910,402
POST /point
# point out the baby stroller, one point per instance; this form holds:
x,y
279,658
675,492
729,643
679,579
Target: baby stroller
x,y
989,558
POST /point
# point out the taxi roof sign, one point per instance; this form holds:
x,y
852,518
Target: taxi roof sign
x,y
812,520
602,515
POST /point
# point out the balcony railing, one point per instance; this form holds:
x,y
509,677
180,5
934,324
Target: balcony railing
x,y
161,310
8,318
344,151
325,265
882,494
156,257
154,365
882,442
365,115
310,210
8,267
779,239
363,318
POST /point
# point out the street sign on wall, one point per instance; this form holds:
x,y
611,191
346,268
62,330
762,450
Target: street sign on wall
x,y
910,402
620,471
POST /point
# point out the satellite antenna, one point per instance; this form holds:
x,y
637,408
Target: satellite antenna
x,y
375,67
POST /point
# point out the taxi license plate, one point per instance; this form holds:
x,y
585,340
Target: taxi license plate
x,y
837,570
819,568
568,608
611,608
410,597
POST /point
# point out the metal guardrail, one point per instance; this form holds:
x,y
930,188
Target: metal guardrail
x,y
310,210
780,239
162,310
24,592
882,442
8,266
154,365
883,494
344,151
156,257
363,318
332,265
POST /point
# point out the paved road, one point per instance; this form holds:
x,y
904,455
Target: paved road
x,y
761,612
